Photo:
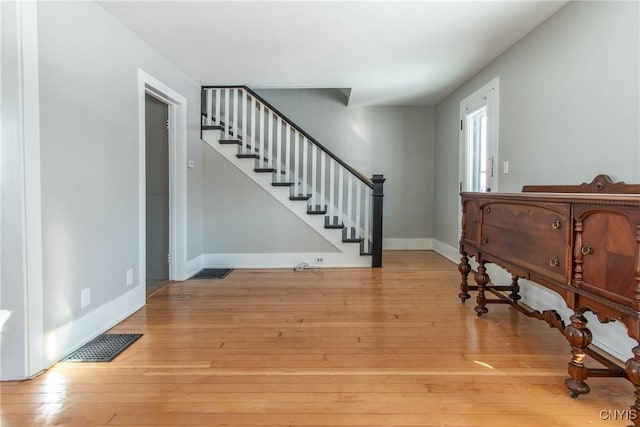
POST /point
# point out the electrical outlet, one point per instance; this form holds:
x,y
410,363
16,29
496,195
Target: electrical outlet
x,y
505,167
130,276
319,260
85,297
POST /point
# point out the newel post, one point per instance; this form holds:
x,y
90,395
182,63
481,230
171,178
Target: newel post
x,y
376,243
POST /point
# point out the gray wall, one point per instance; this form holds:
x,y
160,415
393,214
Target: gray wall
x,y
89,142
240,217
569,97
395,141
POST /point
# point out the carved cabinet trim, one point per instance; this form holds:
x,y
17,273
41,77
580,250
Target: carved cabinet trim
x,y
582,242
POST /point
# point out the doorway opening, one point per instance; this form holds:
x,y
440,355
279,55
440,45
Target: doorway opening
x,y
175,125
157,193
479,141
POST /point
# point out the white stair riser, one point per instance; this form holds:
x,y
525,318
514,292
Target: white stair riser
x,y
349,251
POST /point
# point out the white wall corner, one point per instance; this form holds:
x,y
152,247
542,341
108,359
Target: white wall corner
x,y
33,199
393,244
22,123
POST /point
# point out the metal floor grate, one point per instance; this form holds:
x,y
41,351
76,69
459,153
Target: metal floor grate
x,y
103,348
212,273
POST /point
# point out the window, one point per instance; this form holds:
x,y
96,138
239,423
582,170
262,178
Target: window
x,y
477,159
479,139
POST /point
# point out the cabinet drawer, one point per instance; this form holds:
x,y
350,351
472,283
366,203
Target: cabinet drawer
x,y
536,253
547,222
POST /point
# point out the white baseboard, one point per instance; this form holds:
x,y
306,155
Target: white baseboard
x,y
447,251
284,260
194,265
67,338
610,337
407,244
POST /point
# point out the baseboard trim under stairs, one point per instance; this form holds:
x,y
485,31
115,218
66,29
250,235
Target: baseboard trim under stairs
x,y
329,259
278,260
347,254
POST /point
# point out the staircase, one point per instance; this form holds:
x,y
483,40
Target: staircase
x,y
340,203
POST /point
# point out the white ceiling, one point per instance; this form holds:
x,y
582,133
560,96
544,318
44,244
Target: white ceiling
x,y
386,52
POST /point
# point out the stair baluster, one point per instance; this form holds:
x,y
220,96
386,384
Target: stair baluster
x,y
296,171
248,120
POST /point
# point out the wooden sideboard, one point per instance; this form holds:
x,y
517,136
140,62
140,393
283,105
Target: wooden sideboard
x,y
581,241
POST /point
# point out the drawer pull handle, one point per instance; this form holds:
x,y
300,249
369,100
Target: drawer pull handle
x,y
554,262
555,224
488,210
485,240
587,249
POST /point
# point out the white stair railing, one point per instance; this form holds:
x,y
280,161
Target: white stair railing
x,y
333,188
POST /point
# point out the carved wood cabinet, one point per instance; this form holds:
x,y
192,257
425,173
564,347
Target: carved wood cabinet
x,y
582,242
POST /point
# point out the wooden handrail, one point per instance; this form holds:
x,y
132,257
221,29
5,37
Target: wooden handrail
x,y
290,122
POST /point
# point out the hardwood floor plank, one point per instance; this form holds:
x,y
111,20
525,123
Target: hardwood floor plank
x,y
333,347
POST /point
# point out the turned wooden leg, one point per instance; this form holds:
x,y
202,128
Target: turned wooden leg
x,y
632,368
464,268
482,278
515,289
579,337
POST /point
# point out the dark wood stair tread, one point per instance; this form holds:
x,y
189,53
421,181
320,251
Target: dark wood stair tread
x,y
247,156
350,236
300,197
230,141
262,170
334,222
317,210
354,240
336,226
282,184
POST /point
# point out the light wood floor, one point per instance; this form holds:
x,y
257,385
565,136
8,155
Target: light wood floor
x,y
154,286
355,347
